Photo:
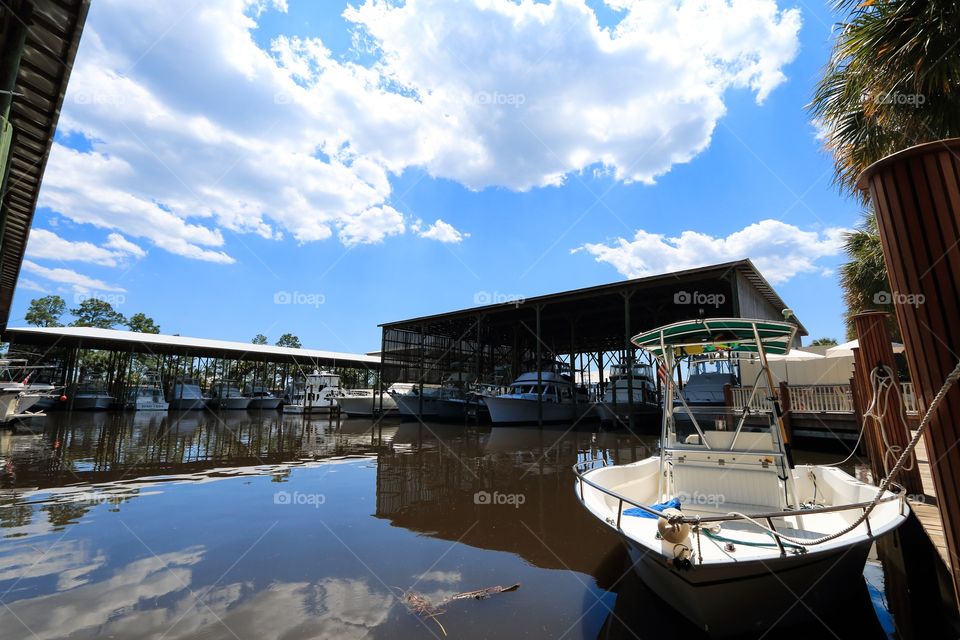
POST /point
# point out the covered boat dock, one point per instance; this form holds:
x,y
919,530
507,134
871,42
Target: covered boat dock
x,y
122,355
587,329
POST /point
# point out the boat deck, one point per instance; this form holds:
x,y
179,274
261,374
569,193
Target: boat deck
x,y
928,512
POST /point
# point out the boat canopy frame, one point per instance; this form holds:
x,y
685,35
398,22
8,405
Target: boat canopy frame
x,y
731,336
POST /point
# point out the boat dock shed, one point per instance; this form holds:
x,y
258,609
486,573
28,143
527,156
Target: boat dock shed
x,y
586,328
127,352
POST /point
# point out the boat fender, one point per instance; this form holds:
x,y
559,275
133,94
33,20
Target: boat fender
x,y
673,532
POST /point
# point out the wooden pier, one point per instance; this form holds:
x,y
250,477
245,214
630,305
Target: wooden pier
x,y
928,510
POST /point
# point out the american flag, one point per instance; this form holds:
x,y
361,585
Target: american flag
x,y
663,373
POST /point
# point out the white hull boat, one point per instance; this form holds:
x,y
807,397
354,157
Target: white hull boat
x,y
616,405
147,395
411,405
364,402
261,399
185,395
227,397
524,403
721,524
319,393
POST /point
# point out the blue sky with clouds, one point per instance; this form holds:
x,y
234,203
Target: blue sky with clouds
x,y
241,167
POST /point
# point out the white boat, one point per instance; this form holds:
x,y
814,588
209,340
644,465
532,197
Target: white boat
x,y
16,374
550,396
318,393
227,395
616,404
721,524
366,402
417,401
185,395
707,377
146,395
261,399
90,396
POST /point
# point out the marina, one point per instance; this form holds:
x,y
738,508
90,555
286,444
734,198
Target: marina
x,y
687,420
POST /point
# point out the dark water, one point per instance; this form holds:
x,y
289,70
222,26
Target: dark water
x,y
247,526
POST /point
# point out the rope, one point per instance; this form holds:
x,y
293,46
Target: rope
x,y
952,378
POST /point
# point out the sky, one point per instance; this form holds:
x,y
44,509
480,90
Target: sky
x,y
234,167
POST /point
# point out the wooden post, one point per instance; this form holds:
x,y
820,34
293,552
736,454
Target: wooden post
x,y
916,196
871,437
876,350
786,406
727,395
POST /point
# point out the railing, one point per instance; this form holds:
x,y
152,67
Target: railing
x,y
909,397
817,398
584,467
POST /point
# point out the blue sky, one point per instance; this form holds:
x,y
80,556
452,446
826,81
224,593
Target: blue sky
x,y
264,167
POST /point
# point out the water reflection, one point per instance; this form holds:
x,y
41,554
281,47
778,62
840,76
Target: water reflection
x,y
169,525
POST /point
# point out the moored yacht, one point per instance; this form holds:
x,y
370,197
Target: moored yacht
x,y
708,375
146,395
90,395
622,395
547,396
318,393
261,398
722,524
185,395
367,402
227,395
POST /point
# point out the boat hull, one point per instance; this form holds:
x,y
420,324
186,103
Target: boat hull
x,y
231,404
264,404
505,410
91,403
410,407
366,405
145,405
707,595
618,411
187,404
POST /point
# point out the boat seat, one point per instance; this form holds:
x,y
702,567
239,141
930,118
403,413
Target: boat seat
x,y
746,441
721,479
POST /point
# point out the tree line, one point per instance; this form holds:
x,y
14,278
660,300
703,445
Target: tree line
x,y
48,311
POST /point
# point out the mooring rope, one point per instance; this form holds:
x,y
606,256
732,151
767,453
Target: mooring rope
x,y
952,378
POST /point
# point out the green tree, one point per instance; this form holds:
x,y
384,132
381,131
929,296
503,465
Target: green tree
x,y
289,340
93,312
891,82
142,323
864,276
824,342
45,311
259,339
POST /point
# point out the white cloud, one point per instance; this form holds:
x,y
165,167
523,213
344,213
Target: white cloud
x,y
294,140
779,250
47,244
440,231
77,281
27,284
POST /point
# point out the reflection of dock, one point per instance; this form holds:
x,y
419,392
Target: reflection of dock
x,y
928,512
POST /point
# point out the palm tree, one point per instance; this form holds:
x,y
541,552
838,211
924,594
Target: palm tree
x,y
864,276
893,81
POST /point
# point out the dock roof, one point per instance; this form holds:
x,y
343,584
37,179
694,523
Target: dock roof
x,y
160,344
52,38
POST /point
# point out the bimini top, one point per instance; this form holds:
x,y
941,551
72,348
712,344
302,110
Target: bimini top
x,y
717,335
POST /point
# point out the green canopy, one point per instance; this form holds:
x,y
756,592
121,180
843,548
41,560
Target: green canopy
x,y
718,335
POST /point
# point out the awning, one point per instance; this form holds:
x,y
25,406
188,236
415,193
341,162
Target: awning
x,y
718,335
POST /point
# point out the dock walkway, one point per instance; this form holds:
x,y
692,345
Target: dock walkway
x,y
928,511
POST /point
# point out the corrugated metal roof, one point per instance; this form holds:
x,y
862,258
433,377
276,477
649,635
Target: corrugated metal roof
x,y
744,267
53,35
113,339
